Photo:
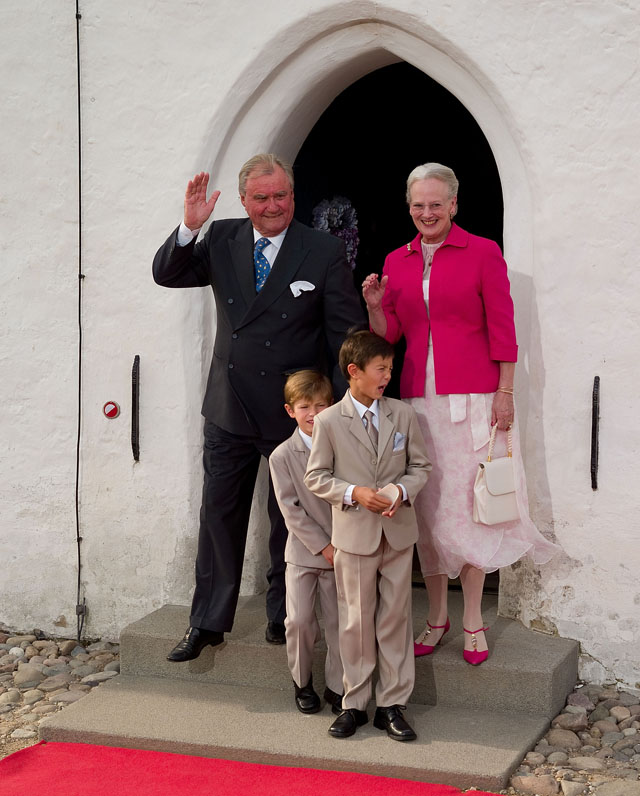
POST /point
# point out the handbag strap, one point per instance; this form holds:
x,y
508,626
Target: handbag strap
x,y
492,442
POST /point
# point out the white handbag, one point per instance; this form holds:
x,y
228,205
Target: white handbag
x,y
494,490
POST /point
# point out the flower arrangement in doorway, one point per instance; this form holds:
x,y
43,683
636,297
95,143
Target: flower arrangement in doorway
x,y
339,217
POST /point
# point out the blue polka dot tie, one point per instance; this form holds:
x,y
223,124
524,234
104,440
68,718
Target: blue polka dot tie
x,y
260,263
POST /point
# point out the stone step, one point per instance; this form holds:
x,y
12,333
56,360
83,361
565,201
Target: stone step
x,y
526,672
455,746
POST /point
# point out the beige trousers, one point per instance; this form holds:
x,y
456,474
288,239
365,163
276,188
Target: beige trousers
x,y
374,606
303,585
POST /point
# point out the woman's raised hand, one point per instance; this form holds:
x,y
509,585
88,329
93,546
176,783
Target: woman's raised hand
x,y
196,208
373,291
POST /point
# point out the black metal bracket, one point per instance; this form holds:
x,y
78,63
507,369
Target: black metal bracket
x,y
135,408
595,428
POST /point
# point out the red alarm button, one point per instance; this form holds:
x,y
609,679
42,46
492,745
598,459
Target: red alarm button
x,y
111,409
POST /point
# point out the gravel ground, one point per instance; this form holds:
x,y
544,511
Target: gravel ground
x,y
39,676
593,746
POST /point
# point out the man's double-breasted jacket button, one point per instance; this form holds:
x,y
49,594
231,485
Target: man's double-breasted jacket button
x,y
235,336
229,301
263,373
267,343
284,315
373,461
230,365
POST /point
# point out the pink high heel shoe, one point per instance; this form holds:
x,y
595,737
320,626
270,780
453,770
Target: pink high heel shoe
x,y
420,649
474,657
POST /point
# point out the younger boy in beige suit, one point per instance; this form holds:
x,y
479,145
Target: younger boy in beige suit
x,y
309,552
361,445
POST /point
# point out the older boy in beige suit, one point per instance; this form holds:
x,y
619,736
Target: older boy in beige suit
x,y
362,445
309,552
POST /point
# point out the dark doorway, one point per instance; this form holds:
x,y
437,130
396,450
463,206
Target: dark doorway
x,y
364,146
368,140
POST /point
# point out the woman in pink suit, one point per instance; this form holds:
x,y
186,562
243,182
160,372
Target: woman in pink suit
x,y
448,293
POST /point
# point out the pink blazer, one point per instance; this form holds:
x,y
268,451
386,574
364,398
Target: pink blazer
x,y
470,314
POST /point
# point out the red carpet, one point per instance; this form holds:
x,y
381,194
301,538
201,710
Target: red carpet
x,y
71,769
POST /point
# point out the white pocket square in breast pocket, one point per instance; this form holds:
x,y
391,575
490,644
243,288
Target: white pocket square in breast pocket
x,y
298,287
399,441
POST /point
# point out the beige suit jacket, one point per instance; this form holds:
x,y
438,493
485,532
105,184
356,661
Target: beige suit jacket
x,y
342,454
308,518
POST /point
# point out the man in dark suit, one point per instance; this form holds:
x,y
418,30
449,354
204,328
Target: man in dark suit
x,y
285,299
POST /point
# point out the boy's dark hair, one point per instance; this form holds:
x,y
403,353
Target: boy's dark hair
x,y
304,385
360,348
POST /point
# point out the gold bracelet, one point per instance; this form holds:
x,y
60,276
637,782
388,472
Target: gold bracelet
x,y
505,390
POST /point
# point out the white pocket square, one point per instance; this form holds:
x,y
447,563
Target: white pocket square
x,y
298,287
398,441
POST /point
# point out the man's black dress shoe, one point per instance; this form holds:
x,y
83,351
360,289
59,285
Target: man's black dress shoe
x,y
194,641
390,719
333,699
348,722
307,701
274,633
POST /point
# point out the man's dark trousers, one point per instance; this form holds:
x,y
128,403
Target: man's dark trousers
x,y
230,468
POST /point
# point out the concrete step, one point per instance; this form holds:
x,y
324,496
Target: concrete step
x,y
455,746
526,672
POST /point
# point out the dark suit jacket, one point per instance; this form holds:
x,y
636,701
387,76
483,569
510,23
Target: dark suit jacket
x,y
260,337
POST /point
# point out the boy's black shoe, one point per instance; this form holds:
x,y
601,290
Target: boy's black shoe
x,y
390,719
333,699
348,722
307,701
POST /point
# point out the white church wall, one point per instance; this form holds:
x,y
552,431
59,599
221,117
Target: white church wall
x,y
38,315
169,91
